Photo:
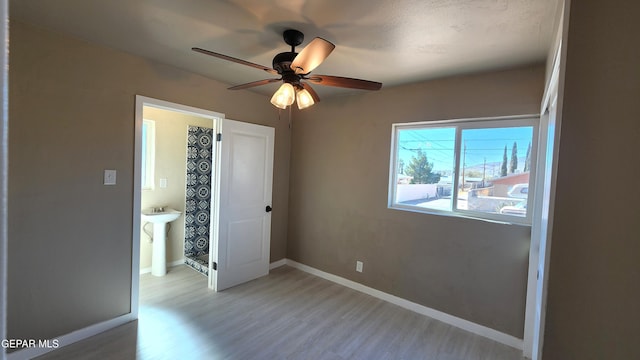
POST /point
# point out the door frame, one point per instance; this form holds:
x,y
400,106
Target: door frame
x,y
141,102
539,254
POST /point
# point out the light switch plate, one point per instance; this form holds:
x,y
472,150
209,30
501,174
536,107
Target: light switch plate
x,y
163,183
109,177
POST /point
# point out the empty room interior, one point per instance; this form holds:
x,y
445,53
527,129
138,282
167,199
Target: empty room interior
x,y
185,182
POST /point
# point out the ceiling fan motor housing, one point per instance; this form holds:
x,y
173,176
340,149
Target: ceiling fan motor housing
x,y
282,62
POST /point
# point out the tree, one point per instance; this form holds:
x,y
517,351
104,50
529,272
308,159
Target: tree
x,y
473,173
514,158
421,170
401,166
527,159
503,170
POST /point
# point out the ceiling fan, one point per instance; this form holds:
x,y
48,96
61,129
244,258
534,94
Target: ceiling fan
x,y
294,70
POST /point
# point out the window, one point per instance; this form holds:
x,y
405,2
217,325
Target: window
x,y
480,168
148,153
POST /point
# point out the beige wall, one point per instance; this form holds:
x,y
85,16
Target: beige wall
x,y
72,116
472,269
593,301
170,164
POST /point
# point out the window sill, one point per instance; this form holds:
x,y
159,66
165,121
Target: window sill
x,y
463,215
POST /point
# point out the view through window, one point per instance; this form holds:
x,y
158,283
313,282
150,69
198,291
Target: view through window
x,y
479,168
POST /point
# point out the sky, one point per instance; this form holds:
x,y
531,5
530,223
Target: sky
x,y
481,144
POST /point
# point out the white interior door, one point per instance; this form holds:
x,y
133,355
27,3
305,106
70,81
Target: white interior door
x,y
244,215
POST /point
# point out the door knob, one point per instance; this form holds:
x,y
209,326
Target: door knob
x,y
268,208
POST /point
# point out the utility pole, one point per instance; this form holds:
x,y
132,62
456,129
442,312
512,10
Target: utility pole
x,y
484,170
464,164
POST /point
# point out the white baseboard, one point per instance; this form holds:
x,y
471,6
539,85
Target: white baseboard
x,y
463,324
277,264
70,338
171,264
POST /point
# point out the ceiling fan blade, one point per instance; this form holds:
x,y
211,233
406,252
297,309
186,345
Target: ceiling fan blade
x,y
253,83
313,93
235,60
344,82
312,56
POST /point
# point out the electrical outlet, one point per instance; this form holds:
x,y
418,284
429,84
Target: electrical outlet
x,y
109,177
359,265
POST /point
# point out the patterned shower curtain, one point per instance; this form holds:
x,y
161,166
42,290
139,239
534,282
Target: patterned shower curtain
x,y
198,196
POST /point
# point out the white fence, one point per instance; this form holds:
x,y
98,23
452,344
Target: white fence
x,y
408,192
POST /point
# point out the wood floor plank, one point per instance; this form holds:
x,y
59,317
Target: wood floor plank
x,y
288,314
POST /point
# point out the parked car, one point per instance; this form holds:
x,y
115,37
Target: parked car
x,y
519,209
520,191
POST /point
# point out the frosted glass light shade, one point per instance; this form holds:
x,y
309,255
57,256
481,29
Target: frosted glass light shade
x,y
284,96
304,99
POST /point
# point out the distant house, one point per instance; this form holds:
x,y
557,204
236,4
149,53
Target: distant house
x,y
404,179
502,185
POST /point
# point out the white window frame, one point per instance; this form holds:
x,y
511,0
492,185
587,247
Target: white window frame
x,y
460,125
149,155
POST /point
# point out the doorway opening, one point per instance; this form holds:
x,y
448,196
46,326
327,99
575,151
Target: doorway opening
x,y
233,204
177,176
175,157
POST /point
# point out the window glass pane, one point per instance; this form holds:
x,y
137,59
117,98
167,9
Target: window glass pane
x,y
425,167
496,164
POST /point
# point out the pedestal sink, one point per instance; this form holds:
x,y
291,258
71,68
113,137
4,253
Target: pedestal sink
x,y
159,217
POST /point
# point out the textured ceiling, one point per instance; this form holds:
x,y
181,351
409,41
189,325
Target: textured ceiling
x,y
394,42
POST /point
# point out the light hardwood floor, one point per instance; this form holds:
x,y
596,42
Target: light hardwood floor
x,y
288,314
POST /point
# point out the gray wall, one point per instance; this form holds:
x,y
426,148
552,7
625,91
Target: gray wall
x,y
472,269
72,116
593,309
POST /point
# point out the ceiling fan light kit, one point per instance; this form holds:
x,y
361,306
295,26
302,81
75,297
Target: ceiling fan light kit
x,y
293,68
284,96
304,99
